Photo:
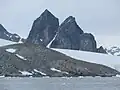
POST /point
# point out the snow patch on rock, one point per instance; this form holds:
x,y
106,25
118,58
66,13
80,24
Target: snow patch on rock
x,y
53,69
11,50
48,46
2,76
56,70
25,73
20,41
17,36
21,57
41,40
118,76
35,70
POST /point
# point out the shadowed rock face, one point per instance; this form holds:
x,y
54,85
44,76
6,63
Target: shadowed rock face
x,y
4,34
44,28
87,42
68,35
43,59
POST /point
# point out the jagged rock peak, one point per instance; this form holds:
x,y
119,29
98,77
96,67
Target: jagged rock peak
x,y
46,15
70,19
71,25
2,28
68,35
47,12
44,28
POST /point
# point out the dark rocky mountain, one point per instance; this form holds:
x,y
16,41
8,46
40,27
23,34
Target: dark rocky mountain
x,y
44,28
36,60
71,36
68,35
4,34
46,31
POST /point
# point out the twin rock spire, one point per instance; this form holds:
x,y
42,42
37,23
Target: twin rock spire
x,y
68,35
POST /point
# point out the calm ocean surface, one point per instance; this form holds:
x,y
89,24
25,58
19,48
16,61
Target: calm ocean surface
x,y
87,83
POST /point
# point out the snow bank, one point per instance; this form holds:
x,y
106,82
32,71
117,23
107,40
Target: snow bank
x,y
6,42
108,60
20,41
2,76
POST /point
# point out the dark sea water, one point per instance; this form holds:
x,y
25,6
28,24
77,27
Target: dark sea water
x,y
87,83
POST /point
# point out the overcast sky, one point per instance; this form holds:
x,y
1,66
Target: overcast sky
x,y
100,17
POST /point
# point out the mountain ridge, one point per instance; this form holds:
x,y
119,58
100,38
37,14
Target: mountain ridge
x,y
68,35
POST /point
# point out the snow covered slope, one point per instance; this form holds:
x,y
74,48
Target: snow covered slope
x,y
108,60
6,42
113,50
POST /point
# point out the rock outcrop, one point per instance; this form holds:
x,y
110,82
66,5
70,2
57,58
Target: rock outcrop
x,y
101,50
44,29
4,34
35,60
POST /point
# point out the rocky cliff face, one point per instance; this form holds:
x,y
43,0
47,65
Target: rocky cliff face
x,y
44,28
68,35
4,34
35,60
